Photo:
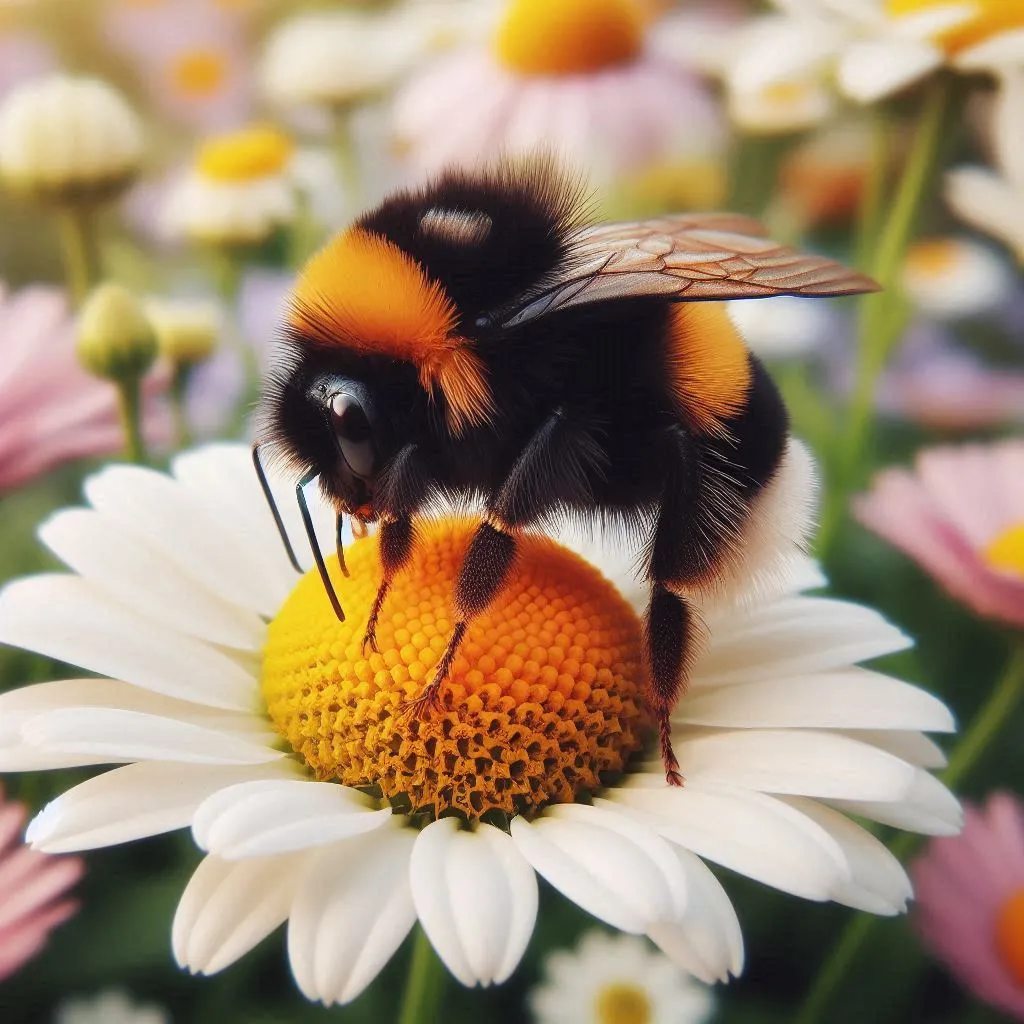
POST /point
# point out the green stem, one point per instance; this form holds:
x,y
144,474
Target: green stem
x,y
76,227
346,156
179,395
882,315
425,985
873,196
129,405
996,710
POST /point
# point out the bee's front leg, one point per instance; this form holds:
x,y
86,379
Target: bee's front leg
x,y
396,538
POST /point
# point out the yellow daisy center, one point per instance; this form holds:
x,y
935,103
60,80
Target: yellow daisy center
x,y
199,73
544,696
1009,935
1006,552
569,37
622,1004
990,18
245,155
933,257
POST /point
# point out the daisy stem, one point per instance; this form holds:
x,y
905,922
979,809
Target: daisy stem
x,y
179,393
129,406
78,244
425,985
882,315
345,154
1003,699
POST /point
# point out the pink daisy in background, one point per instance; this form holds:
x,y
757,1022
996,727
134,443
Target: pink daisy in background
x,y
51,410
970,902
190,55
960,515
33,888
581,77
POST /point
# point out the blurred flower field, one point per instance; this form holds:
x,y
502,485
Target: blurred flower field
x,y
215,805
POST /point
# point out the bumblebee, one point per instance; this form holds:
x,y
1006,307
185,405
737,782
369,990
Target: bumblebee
x,y
477,340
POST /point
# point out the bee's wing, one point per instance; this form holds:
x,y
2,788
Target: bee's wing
x,y
688,258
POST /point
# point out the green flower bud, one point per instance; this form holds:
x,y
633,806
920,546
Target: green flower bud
x,y
115,338
187,332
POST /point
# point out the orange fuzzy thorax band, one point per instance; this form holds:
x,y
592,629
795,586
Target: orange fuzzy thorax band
x,y
363,293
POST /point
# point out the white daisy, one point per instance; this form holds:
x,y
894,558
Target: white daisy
x,y
617,979
113,1006
237,704
786,326
948,278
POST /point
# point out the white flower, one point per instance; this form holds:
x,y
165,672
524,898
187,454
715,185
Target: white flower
x,y
219,722
784,327
993,200
336,58
617,978
66,139
949,278
238,192
778,108
111,1007
875,48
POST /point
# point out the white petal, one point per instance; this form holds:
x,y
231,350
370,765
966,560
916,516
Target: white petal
x,y
267,817
873,69
135,801
229,906
751,833
353,911
1002,52
913,747
707,941
796,636
798,762
616,869
137,575
988,202
476,898
853,698
775,49
928,808
132,736
877,883
173,519
66,618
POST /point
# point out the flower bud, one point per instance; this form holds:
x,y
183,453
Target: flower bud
x,y
66,140
186,331
115,339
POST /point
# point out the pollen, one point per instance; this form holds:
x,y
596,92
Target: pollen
x,y
1006,552
543,702
623,1004
199,74
569,37
245,155
1009,935
988,18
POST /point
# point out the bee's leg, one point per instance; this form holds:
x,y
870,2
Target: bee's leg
x,y
396,537
551,471
698,518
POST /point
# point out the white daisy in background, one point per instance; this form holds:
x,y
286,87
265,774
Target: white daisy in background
x,y
875,48
114,1006
785,327
579,77
950,278
780,108
617,979
237,704
992,200
238,192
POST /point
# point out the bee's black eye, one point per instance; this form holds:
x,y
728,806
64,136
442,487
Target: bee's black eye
x,y
354,433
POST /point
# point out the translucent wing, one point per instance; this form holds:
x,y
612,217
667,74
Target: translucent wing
x,y
688,258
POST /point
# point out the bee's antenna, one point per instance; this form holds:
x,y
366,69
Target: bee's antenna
x,y
269,495
341,547
314,544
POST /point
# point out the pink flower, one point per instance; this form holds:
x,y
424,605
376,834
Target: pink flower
x,y
580,79
32,885
970,902
960,515
51,410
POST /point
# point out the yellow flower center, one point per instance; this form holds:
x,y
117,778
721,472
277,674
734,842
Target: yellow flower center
x,y
544,696
1006,552
1009,935
245,155
569,37
933,257
990,18
622,1004
199,73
